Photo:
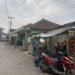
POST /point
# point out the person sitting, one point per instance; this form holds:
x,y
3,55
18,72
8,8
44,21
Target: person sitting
x,y
57,48
64,48
59,63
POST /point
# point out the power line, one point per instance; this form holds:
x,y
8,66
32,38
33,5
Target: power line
x,y
6,7
64,10
60,12
63,2
8,16
19,7
56,12
1,5
7,12
31,5
37,4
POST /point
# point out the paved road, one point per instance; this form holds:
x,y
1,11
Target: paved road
x,y
14,62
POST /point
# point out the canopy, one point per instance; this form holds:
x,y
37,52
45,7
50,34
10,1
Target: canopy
x,y
19,30
55,32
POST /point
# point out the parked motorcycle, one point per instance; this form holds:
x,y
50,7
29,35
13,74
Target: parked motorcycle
x,y
50,64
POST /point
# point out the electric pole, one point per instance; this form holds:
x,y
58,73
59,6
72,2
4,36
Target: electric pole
x,y
10,22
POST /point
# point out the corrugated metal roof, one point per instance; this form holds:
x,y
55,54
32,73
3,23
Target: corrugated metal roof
x,y
58,30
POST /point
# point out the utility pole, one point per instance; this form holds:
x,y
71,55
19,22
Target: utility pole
x,y
10,22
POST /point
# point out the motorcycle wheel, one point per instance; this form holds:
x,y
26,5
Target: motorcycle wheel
x,y
53,69
68,72
43,66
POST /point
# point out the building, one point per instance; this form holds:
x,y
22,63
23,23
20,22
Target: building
x,y
1,33
60,34
42,26
20,36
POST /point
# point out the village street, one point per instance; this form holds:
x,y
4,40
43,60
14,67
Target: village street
x,y
15,62
43,28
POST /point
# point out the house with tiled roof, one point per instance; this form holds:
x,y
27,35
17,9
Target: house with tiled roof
x,y
29,30
42,26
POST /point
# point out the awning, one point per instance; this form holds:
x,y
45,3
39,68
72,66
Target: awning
x,y
22,29
55,32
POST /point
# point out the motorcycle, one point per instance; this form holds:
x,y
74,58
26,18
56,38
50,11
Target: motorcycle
x,y
50,64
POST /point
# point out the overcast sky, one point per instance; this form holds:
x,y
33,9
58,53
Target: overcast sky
x,y
30,11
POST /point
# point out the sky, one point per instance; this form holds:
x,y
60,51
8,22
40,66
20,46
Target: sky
x,y
31,11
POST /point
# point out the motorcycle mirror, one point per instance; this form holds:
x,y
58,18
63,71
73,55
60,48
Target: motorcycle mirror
x,y
43,54
60,52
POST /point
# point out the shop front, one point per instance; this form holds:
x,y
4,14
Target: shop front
x,y
63,34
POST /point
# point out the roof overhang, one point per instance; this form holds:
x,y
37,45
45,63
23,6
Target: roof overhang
x,y
20,30
56,31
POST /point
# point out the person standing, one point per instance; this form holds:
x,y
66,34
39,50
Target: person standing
x,y
36,45
36,50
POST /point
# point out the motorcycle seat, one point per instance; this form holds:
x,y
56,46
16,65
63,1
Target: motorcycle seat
x,y
55,59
